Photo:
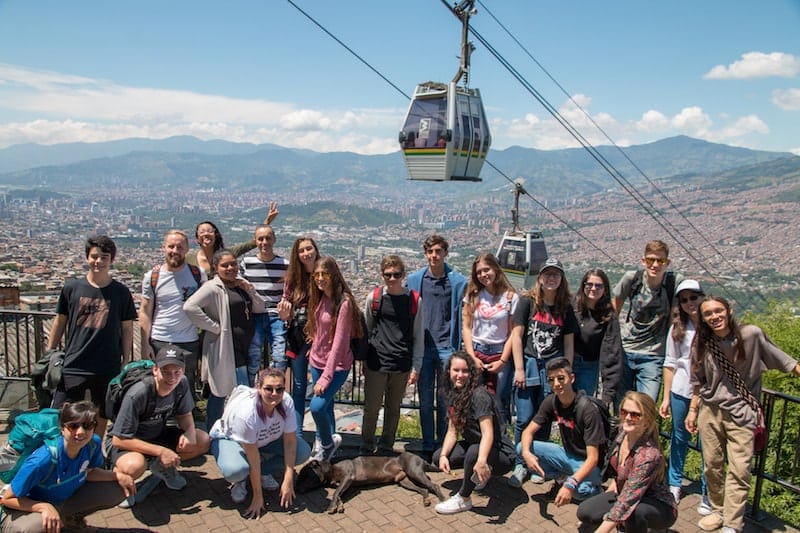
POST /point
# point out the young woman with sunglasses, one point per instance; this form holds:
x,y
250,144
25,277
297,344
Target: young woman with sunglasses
x,y
259,423
333,321
489,303
638,497
44,498
677,384
727,364
598,344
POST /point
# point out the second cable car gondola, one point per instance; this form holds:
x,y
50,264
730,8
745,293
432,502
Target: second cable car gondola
x,y
445,135
521,253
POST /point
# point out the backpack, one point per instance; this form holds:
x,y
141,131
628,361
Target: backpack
x,y
636,285
157,271
377,299
30,432
360,346
363,346
131,373
610,428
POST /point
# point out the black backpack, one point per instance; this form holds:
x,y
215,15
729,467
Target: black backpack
x,y
610,428
131,373
636,285
360,346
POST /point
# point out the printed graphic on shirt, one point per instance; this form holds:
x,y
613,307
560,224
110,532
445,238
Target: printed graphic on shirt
x,y
545,331
487,310
92,313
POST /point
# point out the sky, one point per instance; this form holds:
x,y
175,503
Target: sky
x,y
259,71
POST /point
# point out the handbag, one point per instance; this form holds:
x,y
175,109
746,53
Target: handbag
x,y
760,433
46,376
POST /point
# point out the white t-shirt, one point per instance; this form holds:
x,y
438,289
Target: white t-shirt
x,y
240,421
679,358
491,320
170,323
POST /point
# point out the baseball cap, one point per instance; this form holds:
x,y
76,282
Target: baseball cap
x,y
551,262
689,285
171,355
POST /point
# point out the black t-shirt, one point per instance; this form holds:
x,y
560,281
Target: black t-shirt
x,y
94,316
589,339
544,333
481,404
391,334
241,324
132,420
575,434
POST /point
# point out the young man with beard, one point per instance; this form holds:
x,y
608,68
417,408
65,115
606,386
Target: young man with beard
x,y
100,313
164,290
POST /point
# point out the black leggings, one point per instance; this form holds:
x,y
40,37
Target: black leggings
x,y
649,513
465,455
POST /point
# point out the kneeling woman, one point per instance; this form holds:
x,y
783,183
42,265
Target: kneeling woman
x,y
43,498
638,497
255,437
484,449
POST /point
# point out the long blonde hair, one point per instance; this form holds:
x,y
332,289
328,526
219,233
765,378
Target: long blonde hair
x,y
647,406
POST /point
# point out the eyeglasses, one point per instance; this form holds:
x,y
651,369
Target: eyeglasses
x,y
691,298
591,286
321,275
561,379
393,275
273,390
635,415
650,261
88,426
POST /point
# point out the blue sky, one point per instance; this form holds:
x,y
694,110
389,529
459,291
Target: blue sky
x,y
258,71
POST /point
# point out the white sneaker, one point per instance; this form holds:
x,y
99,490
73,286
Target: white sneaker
x,y
268,482
536,478
316,448
704,508
128,502
239,491
170,476
329,450
455,504
676,493
518,476
727,529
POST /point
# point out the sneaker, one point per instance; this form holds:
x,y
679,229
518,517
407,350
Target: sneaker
x,y
142,492
239,491
517,476
704,507
329,450
455,504
316,448
75,522
269,483
170,476
536,478
727,529
676,493
711,522
128,502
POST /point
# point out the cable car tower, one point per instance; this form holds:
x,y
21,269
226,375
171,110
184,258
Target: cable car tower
x,y
445,135
521,253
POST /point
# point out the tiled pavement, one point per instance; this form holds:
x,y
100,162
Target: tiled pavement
x,y
205,505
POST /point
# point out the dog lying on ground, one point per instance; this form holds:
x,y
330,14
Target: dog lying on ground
x,y
407,470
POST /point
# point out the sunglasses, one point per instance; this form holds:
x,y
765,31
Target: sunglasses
x,y
321,275
561,379
650,261
635,415
591,286
88,426
273,390
393,275
691,298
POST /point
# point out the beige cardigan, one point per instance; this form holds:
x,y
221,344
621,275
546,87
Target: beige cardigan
x,y
209,309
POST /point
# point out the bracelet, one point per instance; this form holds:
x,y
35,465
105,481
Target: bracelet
x,y
571,483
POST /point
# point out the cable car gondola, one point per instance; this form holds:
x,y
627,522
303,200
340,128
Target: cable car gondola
x,y
521,253
445,135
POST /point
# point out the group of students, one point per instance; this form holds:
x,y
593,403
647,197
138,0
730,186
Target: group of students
x,y
480,355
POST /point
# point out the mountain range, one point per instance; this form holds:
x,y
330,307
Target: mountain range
x,y
188,161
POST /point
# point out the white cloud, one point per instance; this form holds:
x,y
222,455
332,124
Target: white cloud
x,y
787,99
692,120
757,65
653,120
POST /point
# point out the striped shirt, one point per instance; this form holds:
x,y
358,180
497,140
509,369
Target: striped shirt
x,y
266,277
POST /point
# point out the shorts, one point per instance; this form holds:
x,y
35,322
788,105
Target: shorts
x,y
168,439
73,388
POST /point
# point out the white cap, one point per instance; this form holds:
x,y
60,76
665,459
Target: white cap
x,y
689,285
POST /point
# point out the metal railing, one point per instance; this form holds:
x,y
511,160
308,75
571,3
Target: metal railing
x,y
23,337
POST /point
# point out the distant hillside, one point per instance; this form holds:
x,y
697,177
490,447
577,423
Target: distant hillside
x,y
186,161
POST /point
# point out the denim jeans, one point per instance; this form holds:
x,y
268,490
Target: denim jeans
x,y
504,382
232,460
679,443
268,328
556,462
300,386
430,374
641,372
322,406
527,402
586,374
215,404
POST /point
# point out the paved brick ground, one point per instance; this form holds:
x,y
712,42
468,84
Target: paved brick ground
x,y
205,505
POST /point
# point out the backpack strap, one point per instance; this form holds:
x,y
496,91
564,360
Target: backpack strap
x,y
414,302
377,297
636,286
153,284
669,285
195,270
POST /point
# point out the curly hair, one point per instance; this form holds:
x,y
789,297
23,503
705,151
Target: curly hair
x,y
459,398
340,292
603,305
501,284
